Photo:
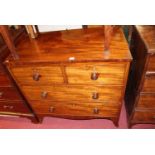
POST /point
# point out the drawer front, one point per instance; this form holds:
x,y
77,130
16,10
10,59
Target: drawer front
x,y
151,64
9,93
98,73
146,101
74,109
149,83
4,81
37,75
73,93
144,116
13,106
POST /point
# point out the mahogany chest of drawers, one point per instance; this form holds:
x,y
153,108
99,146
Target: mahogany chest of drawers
x,y
11,101
140,93
67,74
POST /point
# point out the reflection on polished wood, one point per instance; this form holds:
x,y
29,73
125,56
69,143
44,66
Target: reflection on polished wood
x,y
67,73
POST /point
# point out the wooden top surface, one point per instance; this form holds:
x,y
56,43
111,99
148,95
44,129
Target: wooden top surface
x,y
82,45
147,33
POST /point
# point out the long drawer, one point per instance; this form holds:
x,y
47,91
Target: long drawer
x,y
146,101
149,82
74,109
13,106
9,93
143,116
73,93
98,73
32,75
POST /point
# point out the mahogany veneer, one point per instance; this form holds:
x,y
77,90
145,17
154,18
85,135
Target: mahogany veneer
x,y
140,93
69,74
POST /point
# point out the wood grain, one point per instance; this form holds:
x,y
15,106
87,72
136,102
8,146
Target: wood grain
x,y
74,109
48,75
77,78
108,73
82,44
81,93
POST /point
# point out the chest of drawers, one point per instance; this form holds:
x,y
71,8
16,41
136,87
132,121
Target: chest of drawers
x,y
67,74
11,101
140,94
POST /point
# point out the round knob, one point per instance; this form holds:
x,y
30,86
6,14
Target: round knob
x,y
51,109
44,94
96,111
1,94
95,95
94,76
36,76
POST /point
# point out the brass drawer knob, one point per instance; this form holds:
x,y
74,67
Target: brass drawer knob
x,y
44,94
36,76
94,76
95,95
51,109
1,94
8,107
96,111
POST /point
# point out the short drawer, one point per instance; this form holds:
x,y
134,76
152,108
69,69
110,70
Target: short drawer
x,y
74,109
74,93
143,116
98,73
149,82
13,106
4,81
151,64
37,75
9,93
